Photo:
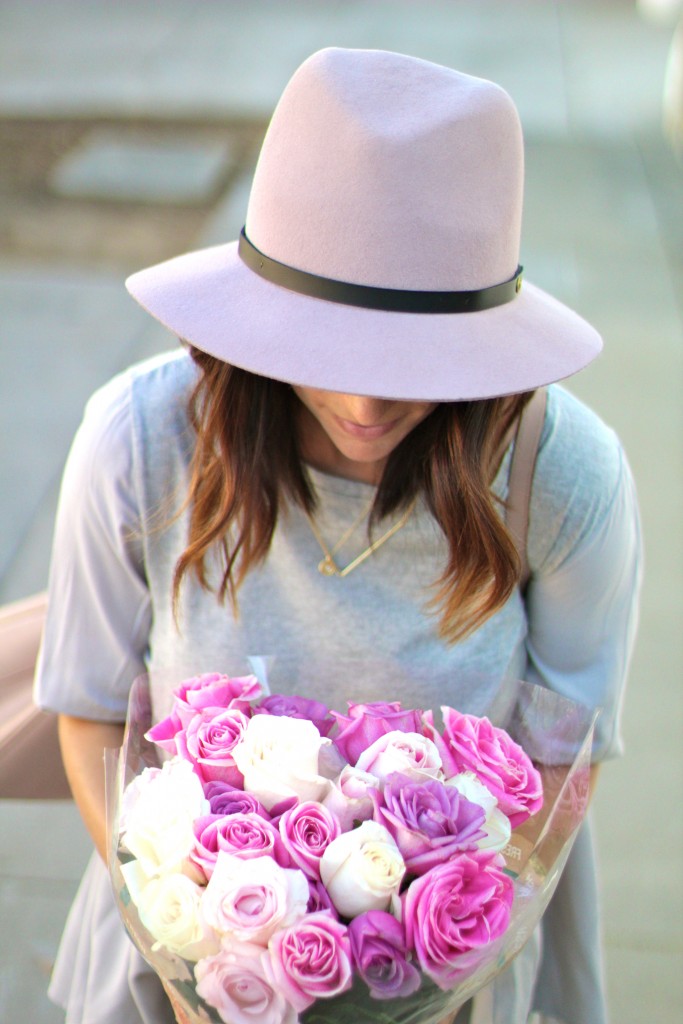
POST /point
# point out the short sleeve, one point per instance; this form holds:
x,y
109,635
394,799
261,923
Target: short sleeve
x,y
582,600
98,619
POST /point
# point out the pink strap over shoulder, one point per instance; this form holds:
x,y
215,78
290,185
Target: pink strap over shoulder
x,y
521,476
30,762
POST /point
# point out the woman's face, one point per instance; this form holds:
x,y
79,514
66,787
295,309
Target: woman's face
x,y
351,435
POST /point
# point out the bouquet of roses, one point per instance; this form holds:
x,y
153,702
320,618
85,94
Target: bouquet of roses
x,y
276,861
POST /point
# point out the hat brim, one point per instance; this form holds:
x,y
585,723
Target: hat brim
x,y
212,300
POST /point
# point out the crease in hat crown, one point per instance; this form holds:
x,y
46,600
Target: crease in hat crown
x,y
415,202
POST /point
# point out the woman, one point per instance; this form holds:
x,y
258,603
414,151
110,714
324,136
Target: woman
x,y
323,476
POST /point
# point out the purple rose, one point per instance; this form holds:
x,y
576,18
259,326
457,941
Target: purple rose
x,y
243,835
365,723
429,820
378,947
208,742
475,745
297,707
307,829
226,799
460,905
310,960
319,898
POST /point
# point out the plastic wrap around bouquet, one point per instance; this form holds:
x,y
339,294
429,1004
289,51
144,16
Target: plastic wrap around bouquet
x,y
275,861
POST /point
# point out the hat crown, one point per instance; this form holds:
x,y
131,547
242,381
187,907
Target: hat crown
x,y
386,170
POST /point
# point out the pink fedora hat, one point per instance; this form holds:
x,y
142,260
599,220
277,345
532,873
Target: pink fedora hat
x,y
380,254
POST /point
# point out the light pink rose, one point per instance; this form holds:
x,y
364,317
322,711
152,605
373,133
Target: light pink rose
x,y
349,796
408,753
474,744
365,723
235,983
251,899
461,905
310,960
307,830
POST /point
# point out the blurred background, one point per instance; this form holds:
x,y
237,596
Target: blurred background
x,y
128,133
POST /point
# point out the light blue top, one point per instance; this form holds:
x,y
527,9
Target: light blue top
x,y
116,544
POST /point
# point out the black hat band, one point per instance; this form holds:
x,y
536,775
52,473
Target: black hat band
x,y
391,300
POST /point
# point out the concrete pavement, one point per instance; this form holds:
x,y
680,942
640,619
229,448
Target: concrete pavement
x,y
603,231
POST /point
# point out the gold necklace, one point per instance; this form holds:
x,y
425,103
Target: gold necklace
x,y
327,565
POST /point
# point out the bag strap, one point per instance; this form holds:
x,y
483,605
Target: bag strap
x,y
521,476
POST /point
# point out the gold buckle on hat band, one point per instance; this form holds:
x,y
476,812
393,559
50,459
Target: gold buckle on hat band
x,y
391,300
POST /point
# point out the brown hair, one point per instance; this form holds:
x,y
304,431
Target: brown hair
x,y
247,461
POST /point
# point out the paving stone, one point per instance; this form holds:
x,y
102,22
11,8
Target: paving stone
x,y
64,332
111,166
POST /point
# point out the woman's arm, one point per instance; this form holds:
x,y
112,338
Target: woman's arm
x,y
83,743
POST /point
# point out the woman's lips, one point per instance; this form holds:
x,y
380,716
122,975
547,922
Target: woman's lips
x,y
366,433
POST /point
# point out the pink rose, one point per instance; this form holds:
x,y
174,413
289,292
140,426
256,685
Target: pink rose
x,y
409,753
379,951
243,835
474,744
213,690
297,707
307,829
365,723
196,694
310,960
429,821
208,742
234,982
460,905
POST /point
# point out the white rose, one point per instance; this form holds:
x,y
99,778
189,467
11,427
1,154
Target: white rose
x,y
158,810
349,798
362,870
170,909
406,752
279,758
496,824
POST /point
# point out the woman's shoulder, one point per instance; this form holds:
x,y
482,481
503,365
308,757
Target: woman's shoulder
x,y
576,438
580,469
156,389
142,407
165,378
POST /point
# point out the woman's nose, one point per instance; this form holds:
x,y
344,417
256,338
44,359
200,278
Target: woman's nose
x,y
367,411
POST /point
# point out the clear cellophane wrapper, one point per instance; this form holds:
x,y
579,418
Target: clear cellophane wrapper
x,y
555,732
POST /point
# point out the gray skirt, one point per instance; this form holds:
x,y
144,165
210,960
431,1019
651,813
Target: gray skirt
x,y
99,976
